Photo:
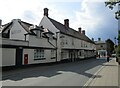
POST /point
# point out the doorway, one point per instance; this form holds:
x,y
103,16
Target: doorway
x,y
19,53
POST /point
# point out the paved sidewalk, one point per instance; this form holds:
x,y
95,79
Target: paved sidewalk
x,y
106,76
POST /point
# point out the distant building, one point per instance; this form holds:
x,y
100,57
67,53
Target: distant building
x,y
101,48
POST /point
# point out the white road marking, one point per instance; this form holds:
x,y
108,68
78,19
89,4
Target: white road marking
x,y
91,79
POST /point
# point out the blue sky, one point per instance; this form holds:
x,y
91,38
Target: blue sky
x,y
96,19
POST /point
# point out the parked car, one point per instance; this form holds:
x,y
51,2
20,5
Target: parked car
x,y
113,55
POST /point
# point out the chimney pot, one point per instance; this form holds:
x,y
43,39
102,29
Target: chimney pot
x,y
92,39
66,23
99,39
46,12
79,29
83,32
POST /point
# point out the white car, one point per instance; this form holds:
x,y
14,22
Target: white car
x,y
113,55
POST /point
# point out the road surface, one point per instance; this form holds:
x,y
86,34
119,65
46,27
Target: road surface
x,y
63,74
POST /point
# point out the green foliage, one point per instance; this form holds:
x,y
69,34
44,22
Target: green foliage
x,y
111,4
118,37
118,51
110,46
117,14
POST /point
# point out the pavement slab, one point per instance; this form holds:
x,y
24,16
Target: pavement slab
x,y
108,75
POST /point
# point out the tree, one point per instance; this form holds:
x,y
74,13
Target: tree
x,y
111,4
110,46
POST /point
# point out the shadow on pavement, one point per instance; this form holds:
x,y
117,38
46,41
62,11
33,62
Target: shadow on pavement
x,y
79,67
109,65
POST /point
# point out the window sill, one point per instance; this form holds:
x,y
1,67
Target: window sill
x,y
53,57
40,59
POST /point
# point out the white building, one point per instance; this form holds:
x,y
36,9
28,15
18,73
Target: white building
x,y
101,48
71,44
23,43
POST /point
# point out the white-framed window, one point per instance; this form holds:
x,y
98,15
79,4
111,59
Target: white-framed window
x,y
66,42
63,54
39,34
39,54
53,54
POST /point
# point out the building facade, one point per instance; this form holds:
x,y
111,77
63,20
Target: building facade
x,y
71,44
101,48
24,43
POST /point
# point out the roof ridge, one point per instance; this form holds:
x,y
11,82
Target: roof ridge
x,y
61,24
27,23
6,26
69,31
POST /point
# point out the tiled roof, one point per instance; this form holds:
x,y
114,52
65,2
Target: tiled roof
x,y
99,42
25,25
7,27
69,31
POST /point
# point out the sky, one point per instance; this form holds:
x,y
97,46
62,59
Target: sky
x,y
91,15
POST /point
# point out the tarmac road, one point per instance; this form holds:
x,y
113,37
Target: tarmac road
x,y
63,74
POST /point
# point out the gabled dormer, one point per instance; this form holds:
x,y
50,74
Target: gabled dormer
x,y
16,29
48,33
38,31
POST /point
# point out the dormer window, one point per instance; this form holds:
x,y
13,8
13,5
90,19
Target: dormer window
x,y
48,33
50,37
38,31
39,34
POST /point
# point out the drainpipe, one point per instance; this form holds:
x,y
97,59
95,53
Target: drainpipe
x,y
56,44
51,43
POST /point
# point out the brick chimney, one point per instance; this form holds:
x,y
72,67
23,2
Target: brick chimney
x,y
83,32
46,12
99,39
0,22
79,29
66,23
92,39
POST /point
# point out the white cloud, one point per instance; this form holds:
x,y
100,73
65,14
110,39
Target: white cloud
x,y
85,17
32,11
28,10
13,9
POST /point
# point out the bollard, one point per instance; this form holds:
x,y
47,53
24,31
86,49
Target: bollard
x,y
107,58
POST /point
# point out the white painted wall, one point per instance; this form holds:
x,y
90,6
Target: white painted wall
x,y
77,43
31,60
61,42
46,23
8,56
17,31
6,41
58,47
